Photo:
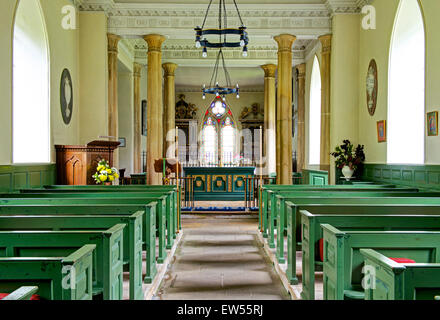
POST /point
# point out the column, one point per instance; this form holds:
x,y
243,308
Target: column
x,y
112,50
137,148
285,57
154,106
169,110
270,146
301,146
326,42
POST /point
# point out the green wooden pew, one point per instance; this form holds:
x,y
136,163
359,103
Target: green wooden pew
x,y
118,191
119,188
269,197
151,206
343,263
312,232
22,293
332,198
51,275
132,239
107,260
395,281
165,211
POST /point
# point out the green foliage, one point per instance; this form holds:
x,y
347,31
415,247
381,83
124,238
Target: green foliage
x,y
104,173
346,156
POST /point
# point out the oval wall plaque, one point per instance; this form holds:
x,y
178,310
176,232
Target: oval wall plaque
x,y
66,96
372,86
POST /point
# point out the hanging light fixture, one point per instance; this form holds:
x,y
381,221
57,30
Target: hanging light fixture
x,y
214,87
223,31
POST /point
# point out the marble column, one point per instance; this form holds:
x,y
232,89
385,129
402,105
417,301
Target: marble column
x,y
326,42
137,148
285,57
301,145
270,117
169,110
154,106
112,51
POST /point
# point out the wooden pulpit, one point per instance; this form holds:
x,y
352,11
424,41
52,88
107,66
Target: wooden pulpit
x,y
77,164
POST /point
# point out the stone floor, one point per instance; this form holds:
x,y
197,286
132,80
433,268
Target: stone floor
x,y
220,258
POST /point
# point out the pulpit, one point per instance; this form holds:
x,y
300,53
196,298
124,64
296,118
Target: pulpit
x,y
77,164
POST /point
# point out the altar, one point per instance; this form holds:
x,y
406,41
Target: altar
x,y
219,183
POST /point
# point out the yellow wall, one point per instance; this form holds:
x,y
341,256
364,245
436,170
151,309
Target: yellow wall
x,y
344,82
93,76
7,13
376,44
63,48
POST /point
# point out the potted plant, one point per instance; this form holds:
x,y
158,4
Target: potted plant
x,y
104,174
348,159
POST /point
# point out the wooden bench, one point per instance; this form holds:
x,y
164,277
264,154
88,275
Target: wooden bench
x,y
395,281
132,240
343,263
312,233
108,255
164,211
51,275
346,199
22,293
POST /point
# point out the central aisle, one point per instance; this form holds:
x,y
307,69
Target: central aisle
x,y
220,258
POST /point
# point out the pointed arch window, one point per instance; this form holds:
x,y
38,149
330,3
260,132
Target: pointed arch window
x,y
218,135
406,87
30,72
315,115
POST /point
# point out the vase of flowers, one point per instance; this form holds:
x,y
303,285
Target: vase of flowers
x,y
348,159
105,174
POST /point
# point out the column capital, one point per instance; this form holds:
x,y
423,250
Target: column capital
x,y
269,70
112,42
285,42
326,42
137,67
154,42
169,69
301,70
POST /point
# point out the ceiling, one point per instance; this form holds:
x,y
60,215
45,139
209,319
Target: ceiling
x,y
176,20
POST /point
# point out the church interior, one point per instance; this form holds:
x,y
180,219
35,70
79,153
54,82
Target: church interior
x,y
219,150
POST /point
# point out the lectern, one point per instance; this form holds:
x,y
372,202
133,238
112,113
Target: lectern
x,y
77,164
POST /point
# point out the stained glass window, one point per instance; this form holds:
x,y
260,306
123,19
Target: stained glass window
x,y
218,135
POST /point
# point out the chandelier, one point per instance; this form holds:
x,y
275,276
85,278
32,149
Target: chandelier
x,y
223,31
214,87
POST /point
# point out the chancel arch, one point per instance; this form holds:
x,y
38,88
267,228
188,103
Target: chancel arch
x,y
30,74
406,86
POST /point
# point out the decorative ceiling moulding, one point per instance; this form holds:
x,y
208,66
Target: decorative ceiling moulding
x,y
345,6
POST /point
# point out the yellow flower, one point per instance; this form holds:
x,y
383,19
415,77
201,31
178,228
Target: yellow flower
x,y
111,178
109,170
116,176
102,177
100,168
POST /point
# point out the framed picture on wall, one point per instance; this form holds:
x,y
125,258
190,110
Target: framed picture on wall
x,y
144,118
381,131
432,123
123,143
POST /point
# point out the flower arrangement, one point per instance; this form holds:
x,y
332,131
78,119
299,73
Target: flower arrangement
x,y
104,173
346,156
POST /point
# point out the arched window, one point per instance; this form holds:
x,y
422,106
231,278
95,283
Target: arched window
x,y
406,87
218,135
315,115
31,124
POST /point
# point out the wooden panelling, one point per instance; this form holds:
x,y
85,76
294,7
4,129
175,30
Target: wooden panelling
x,y
424,177
16,177
315,177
